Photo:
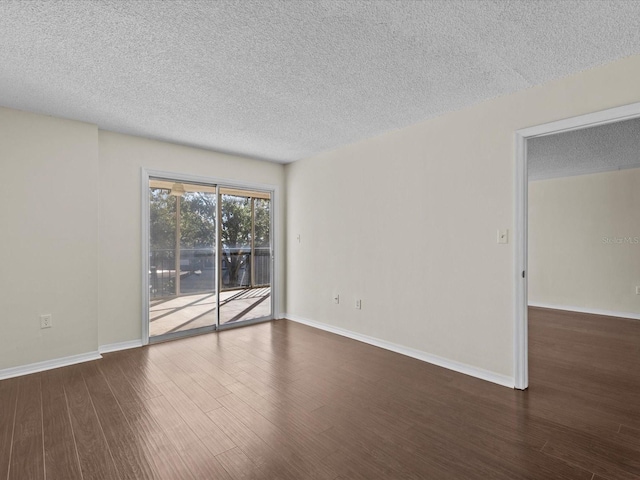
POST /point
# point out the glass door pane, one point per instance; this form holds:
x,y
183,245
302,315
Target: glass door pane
x,y
182,257
262,249
245,254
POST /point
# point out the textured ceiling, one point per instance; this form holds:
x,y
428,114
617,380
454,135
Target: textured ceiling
x,y
284,80
615,146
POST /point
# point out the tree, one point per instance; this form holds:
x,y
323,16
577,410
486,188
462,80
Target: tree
x,y
262,222
198,220
198,225
235,231
162,216
162,240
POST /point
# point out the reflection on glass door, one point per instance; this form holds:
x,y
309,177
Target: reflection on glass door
x,y
182,257
245,255
210,257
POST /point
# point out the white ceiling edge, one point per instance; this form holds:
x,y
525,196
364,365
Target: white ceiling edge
x,y
556,175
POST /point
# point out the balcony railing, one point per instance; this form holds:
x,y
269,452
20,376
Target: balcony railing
x,y
197,270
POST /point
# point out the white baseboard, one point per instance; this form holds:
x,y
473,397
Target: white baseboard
x,y
116,347
594,311
48,365
480,373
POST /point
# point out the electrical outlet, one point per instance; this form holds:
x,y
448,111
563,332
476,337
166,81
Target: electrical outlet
x,y
46,321
638,290
336,298
358,304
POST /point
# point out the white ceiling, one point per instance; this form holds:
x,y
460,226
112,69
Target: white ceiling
x,y
615,146
284,80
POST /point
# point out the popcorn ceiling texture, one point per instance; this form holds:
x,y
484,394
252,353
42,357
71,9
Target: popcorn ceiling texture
x,y
284,80
615,146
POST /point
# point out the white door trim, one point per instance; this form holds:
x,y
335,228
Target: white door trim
x,y
521,347
182,177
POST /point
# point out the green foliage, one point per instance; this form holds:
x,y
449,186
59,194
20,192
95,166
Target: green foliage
x,y
162,219
262,222
197,220
198,225
235,228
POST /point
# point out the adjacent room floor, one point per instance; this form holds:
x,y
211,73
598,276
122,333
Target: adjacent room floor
x,y
285,401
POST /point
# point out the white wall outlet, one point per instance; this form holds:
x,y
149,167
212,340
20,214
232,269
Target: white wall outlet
x,y
638,290
336,298
358,304
298,238
503,236
46,321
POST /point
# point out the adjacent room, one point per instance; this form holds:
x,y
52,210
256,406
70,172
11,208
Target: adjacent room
x,y
584,265
288,240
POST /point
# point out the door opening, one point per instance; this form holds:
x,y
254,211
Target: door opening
x,y
209,257
521,373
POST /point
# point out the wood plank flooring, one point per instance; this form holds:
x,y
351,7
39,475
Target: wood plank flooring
x,y
284,401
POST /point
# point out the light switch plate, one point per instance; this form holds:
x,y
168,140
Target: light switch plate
x,y
503,236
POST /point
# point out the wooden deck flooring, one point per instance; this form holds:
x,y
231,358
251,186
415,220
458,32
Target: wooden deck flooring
x,y
284,401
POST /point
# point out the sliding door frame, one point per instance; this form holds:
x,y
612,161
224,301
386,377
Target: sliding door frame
x,y
521,335
147,174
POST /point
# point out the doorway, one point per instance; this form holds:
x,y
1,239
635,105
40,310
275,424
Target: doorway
x,y
521,350
209,256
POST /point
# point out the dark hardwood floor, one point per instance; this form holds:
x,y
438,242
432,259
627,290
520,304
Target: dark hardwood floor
x,y
285,401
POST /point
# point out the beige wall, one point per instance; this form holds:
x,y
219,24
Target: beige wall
x,y
121,160
407,221
70,210
584,242
49,239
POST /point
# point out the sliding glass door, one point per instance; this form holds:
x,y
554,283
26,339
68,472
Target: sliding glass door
x,y
210,257
245,252
182,257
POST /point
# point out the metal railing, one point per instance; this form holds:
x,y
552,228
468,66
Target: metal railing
x,y
236,268
197,270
